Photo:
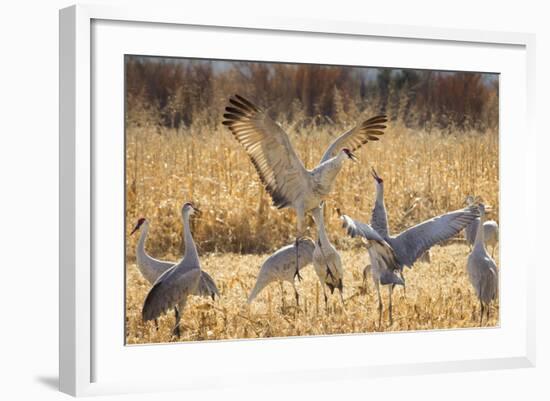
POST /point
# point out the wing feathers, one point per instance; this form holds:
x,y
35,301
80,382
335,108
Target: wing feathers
x,y
268,147
381,253
353,139
170,288
413,242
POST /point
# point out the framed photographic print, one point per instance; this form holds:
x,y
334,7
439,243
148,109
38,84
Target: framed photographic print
x,y
303,199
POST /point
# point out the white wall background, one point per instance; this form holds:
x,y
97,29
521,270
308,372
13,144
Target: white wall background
x,y
29,200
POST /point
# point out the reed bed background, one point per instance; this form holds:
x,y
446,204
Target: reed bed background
x,y
178,151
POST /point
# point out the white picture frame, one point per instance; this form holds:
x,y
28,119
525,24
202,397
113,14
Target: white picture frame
x,y
91,362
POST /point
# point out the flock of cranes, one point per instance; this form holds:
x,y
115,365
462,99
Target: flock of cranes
x,y
290,184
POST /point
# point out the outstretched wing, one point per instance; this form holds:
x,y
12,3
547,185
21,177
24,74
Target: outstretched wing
x,y
356,228
169,290
356,137
269,149
413,242
380,252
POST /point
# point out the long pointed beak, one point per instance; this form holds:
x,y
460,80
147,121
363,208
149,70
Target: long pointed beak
x,y
353,157
374,174
197,211
135,229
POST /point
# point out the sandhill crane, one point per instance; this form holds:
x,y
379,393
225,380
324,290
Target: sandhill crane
x,y
412,243
482,270
326,259
426,258
490,230
173,287
280,266
383,260
280,170
152,268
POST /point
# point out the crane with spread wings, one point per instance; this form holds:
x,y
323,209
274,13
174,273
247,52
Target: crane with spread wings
x,y
281,171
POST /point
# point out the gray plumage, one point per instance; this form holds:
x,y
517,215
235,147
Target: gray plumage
x,y
173,287
152,268
326,259
490,233
280,170
384,262
170,290
384,266
408,246
379,217
490,230
482,271
280,266
412,243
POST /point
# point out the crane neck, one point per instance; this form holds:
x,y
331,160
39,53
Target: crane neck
x,y
320,222
140,249
480,235
191,253
379,193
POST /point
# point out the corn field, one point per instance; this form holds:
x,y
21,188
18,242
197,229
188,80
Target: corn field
x,y
428,167
424,175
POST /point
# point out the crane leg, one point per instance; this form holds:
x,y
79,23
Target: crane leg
x,y
157,324
390,291
324,295
377,285
481,312
404,283
176,332
342,297
297,272
300,215
296,295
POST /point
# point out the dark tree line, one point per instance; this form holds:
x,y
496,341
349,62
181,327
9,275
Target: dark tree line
x,y
179,94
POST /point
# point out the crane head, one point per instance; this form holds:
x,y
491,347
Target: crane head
x,y
138,224
188,207
350,154
376,176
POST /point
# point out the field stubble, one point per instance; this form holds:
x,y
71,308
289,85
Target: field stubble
x,y
438,296
425,174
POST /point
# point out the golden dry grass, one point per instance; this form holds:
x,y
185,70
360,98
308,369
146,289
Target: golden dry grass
x,y
425,174
438,296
